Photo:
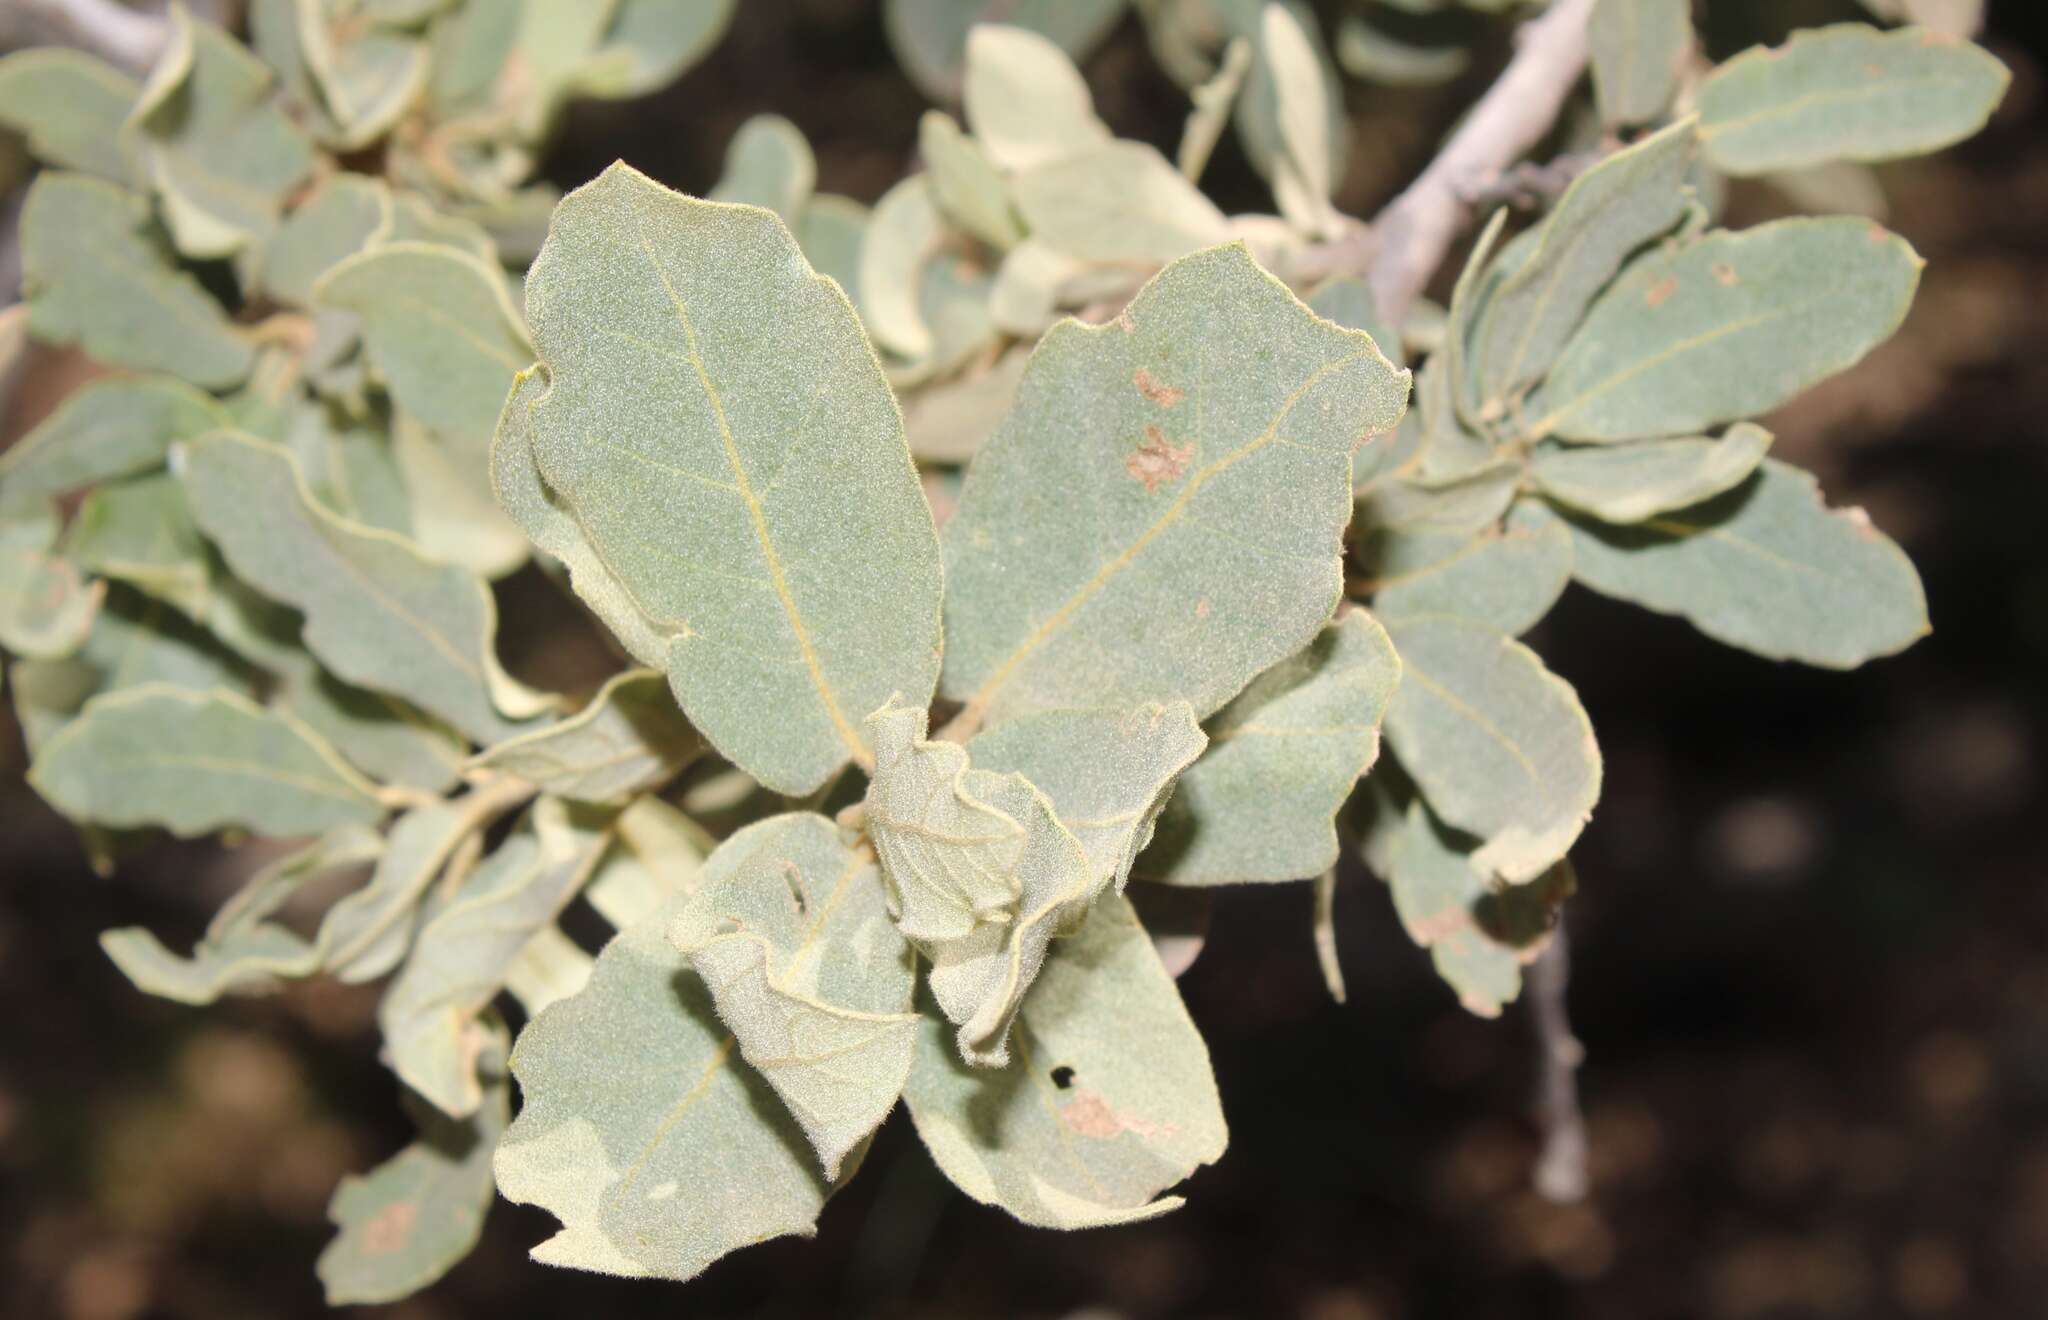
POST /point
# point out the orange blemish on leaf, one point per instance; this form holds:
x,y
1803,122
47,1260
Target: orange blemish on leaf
x,y
1155,389
1158,460
1658,293
387,1230
1202,608
1725,276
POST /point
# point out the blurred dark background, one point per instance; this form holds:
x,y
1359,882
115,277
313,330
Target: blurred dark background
x,y
1811,945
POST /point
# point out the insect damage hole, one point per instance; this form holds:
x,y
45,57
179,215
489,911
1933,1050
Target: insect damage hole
x,y
1063,1077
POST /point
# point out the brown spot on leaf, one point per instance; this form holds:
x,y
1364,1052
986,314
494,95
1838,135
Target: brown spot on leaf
x,y
1089,1115
1440,926
1657,294
1877,233
1874,70
1202,608
387,1230
1725,276
1155,389
1158,460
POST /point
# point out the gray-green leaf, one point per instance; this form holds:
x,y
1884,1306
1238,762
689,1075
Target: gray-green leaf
x,y
720,429
1629,483
1159,517
1609,211
1498,744
1639,49
379,613
431,1016
1847,92
1726,328
409,1220
439,327
96,272
1767,567
198,762
1109,1101
69,106
811,978
1261,805
218,149
641,1131
630,739
1507,577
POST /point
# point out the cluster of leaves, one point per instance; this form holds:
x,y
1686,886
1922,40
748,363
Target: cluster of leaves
x,y
737,428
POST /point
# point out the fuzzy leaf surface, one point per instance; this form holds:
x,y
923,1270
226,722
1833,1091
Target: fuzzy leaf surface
x,y
1638,51
97,273
1846,92
1767,567
1159,517
1630,483
1499,745
1727,327
69,106
1108,1101
812,979
641,1130
1261,805
197,762
379,613
723,434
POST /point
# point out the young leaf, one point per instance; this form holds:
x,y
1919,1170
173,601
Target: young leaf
x,y
139,531
630,739
1301,171
965,183
439,327
724,436
1767,567
378,612
97,273
1159,516
431,1016
1108,1103
902,236
1498,744
341,219
1726,328
135,639
242,952
1609,211
526,498
1107,773
1261,804
205,132
1506,577
409,1220
1214,99
69,106
1406,525
1846,92
46,604
1639,50
769,164
1478,936
368,75
1025,101
368,933
198,762
1121,202
1629,483
640,1129
811,978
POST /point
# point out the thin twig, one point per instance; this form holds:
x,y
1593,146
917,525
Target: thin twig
x,y
1402,249
128,37
1560,1173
